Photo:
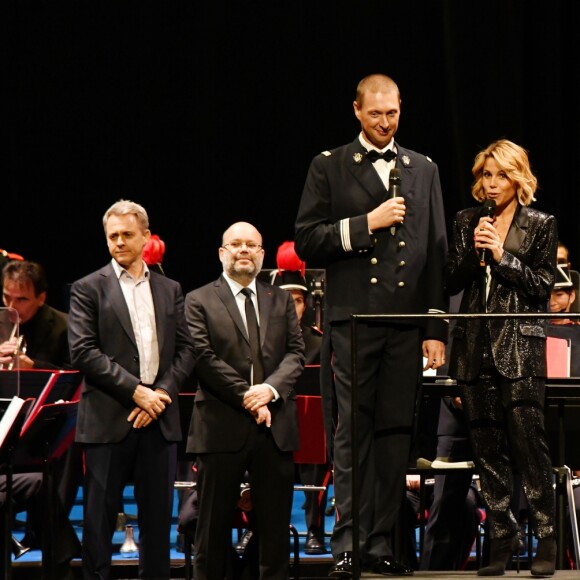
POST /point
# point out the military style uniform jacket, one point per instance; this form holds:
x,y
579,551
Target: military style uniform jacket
x,y
366,272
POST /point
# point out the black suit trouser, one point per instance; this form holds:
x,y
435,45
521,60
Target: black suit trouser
x,y
148,460
389,372
271,474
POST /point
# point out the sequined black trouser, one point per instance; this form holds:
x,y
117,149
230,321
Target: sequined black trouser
x,y
506,423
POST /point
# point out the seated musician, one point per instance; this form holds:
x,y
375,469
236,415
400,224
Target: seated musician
x,y
44,345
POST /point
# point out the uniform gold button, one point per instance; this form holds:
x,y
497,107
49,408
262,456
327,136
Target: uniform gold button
x,y
401,284
374,280
402,244
402,263
374,261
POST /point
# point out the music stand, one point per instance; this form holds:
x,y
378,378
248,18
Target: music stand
x,y
6,461
28,383
60,386
43,440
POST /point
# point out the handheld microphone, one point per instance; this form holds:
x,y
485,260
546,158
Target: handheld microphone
x,y
395,189
488,210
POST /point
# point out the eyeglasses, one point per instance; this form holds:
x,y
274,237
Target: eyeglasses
x,y
237,245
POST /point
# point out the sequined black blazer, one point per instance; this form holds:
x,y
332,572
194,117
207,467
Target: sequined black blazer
x,y
521,282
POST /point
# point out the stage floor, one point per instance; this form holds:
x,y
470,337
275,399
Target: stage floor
x,y
29,566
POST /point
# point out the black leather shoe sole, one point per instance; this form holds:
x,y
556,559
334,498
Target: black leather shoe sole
x,y
314,546
340,572
342,567
390,567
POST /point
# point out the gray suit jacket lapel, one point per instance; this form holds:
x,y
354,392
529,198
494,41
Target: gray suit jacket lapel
x,y
159,305
225,294
115,294
265,306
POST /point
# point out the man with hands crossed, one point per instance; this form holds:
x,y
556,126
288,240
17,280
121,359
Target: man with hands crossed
x,y
129,338
250,352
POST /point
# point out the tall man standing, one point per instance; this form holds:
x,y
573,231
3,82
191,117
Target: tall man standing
x,y
383,254
251,353
129,337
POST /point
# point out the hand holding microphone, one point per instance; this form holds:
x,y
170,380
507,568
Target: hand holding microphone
x,y
395,190
488,210
391,212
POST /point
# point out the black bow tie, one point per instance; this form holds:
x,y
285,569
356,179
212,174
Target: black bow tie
x,y
388,155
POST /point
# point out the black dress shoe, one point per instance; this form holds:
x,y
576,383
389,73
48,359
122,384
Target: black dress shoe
x,y
331,507
30,540
18,549
240,547
388,566
314,543
342,566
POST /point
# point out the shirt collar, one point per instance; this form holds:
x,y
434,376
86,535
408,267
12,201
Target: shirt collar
x,y
120,271
236,287
369,147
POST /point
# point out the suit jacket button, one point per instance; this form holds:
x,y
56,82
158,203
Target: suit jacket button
x,y
374,280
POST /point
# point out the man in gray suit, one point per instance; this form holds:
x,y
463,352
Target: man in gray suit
x,y
244,417
129,337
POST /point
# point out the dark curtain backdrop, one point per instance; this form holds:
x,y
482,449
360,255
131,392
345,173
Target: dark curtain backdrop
x,y
210,112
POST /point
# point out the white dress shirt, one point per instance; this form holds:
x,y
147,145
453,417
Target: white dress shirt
x,y
139,301
236,289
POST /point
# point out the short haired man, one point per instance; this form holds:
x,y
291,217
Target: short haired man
x,y
129,337
371,214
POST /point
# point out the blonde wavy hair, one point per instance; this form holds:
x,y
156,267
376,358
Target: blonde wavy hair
x,y
512,159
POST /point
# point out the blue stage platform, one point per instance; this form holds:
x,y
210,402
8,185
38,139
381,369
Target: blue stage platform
x,y
34,557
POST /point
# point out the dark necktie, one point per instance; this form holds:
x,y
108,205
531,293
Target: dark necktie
x,y
254,334
388,155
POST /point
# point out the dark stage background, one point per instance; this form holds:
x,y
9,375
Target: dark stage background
x,y
210,112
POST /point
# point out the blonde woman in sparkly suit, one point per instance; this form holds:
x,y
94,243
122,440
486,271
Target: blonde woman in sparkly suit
x,y
500,363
